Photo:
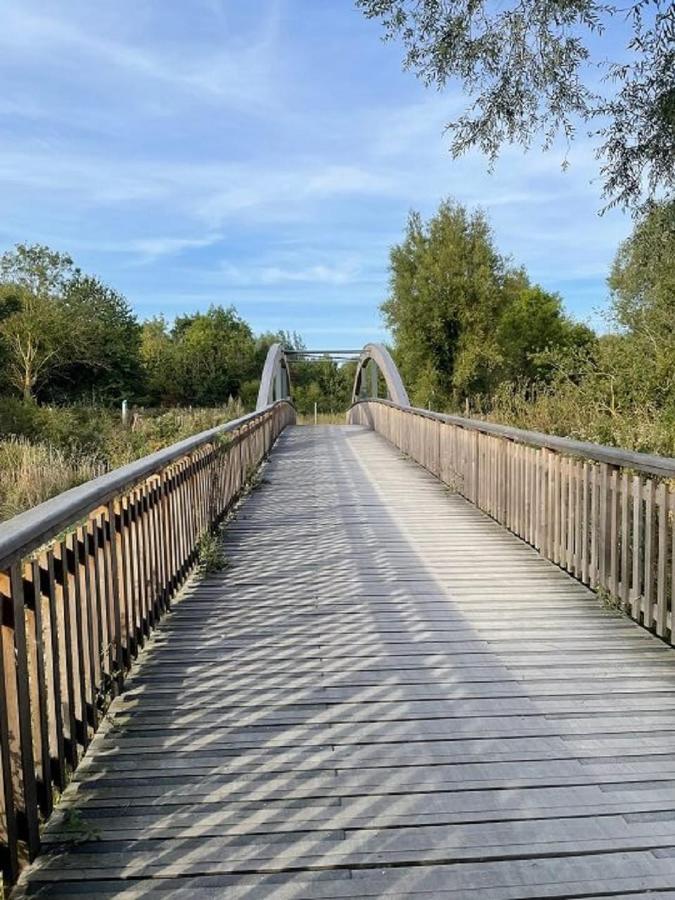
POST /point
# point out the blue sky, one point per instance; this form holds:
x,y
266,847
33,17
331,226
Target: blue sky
x,y
261,153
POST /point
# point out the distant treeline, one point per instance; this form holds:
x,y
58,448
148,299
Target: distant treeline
x,y
68,338
471,331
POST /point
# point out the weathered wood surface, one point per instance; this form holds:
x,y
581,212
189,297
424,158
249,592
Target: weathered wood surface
x,y
605,515
385,694
75,610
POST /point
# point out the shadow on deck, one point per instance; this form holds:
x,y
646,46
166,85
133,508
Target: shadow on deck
x,y
384,694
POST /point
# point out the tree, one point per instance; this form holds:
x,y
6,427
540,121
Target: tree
x,y
67,334
642,279
532,324
445,290
528,68
322,381
158,359
38,338
37,269
642,283
619,389
9,304
106,362
38,334
214,355
463,318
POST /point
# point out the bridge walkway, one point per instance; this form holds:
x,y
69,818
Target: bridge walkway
x,y
385,693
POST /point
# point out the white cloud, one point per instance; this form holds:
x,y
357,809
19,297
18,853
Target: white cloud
x,y
147,249
269,275
152,248
169,134
239,73
343,179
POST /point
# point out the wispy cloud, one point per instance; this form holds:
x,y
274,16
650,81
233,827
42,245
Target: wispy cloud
x,y
270,275
263,154
240,72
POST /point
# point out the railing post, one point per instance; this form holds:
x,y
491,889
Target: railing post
x,y
9,831
82,582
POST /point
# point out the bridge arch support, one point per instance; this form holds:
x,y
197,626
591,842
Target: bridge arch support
x,y
375,359
275,383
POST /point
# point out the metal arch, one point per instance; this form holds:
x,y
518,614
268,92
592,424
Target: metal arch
x,y
275,383
380,356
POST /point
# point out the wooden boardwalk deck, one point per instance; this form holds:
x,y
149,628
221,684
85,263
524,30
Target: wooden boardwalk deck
x,y
385,694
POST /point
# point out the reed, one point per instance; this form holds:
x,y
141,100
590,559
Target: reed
x,y
33,470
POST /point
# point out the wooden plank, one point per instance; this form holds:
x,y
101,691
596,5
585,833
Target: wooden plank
x,y
671,498
56,677
613,503
648,578
638,530
661,560
79,637
87,602
625,545
62,612
9,833
39,697
25,731
383,681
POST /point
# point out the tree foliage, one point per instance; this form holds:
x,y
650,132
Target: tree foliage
x,y
38,334
620,388
66,334
65,337
642,282
463,318
202,359
529,71
467,323
106,363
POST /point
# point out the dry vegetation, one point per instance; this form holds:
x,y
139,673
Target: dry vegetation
x,y
81,443
337,418
33,472
573,412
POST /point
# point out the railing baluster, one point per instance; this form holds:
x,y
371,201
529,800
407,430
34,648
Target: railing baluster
x,y
578,504
23,724
55,679
661,560
648,596
625,532
80,593
9,830
38,685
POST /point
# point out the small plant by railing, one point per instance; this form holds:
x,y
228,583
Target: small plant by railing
x,y
606,516
84,577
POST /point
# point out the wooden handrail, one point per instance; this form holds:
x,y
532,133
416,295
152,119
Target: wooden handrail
x,y
84,577
28,530
606,516
663,466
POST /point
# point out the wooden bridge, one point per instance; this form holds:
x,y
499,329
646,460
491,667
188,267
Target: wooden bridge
x,y
415,676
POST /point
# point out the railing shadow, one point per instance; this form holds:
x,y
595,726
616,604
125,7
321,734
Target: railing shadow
x,y
333,707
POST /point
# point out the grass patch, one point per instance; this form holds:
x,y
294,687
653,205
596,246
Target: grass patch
x,y
32,473
211,556
77,830
610,601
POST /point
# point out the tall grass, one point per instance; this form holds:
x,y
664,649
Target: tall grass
x,y
322,418
67,446
568,412
32,473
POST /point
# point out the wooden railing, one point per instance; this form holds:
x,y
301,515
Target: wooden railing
x,y
84,578
606,516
